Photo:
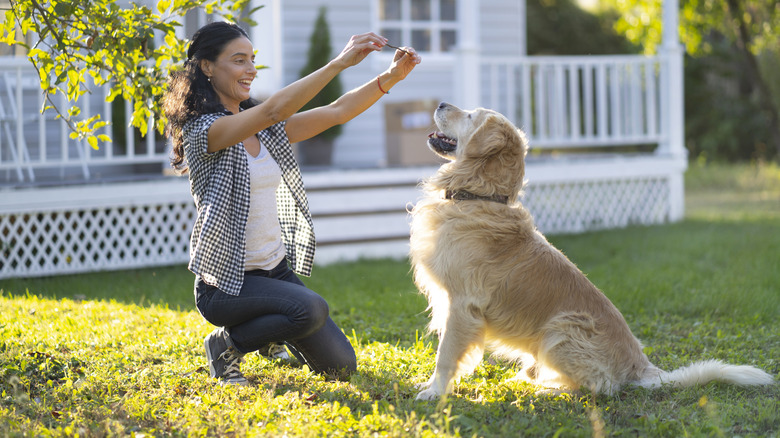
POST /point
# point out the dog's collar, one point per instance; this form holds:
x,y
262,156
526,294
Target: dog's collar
x,y
462,195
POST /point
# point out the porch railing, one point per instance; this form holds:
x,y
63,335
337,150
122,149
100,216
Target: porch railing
x,y
32,142
560,101
579,101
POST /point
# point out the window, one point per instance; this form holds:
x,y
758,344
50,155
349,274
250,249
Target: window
x,y
427,25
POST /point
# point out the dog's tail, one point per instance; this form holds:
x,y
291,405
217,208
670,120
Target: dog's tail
x,y
700,373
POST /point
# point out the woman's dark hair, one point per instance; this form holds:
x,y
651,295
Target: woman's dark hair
x,y
189,92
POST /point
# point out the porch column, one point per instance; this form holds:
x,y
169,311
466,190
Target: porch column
x,y
267,40
674,144
467,71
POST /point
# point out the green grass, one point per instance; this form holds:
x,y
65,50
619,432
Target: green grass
x,y
120,353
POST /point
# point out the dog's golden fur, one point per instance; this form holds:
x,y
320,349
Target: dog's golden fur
x,y
492,279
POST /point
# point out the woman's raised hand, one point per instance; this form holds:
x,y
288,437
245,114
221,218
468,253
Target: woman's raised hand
x,y
358,47
405,59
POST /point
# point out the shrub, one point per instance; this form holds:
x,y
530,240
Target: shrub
x,y
319,55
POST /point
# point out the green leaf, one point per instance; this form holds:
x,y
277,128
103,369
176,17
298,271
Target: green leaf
x,y
253,10
171,40
73,76
163,5
8,38
93,142
38,53
63,9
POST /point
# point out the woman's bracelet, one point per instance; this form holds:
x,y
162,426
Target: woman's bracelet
x,y
380,86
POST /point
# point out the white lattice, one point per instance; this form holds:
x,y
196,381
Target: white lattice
x,y
79,240
148,224
574,207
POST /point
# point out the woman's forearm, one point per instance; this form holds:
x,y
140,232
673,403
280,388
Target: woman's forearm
x,y
293,97
228,131
353,103
305,125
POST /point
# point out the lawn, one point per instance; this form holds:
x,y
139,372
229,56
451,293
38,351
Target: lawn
x,y
120,353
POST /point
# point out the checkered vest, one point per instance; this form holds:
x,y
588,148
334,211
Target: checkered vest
x,y
219,183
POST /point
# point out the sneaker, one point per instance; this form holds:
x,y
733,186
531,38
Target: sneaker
x,y
224,360
274,350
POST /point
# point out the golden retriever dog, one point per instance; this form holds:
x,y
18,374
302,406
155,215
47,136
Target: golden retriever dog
x,y
493,280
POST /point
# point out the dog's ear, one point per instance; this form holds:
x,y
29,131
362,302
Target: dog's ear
x,y
523,140
490,137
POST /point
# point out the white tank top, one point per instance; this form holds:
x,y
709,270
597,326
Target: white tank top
x,y
264,246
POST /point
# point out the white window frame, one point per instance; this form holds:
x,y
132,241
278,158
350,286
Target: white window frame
x,y
406,25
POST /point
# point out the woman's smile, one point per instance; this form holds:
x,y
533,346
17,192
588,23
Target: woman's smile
x,y
232,73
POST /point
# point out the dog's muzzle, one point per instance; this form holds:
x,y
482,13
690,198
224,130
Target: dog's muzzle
x,y
441,143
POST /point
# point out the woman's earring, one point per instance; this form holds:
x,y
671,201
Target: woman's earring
x,y
209,79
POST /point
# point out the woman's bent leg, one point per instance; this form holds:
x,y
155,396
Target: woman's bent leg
x,y
277,308
267,310
327,351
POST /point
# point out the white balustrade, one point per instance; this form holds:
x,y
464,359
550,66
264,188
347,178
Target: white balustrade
x,y
578,101
32,142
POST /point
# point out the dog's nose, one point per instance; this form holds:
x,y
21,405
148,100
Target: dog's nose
x,y
443,105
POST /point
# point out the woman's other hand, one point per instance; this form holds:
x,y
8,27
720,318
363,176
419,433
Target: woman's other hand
x,y
404,62
358,47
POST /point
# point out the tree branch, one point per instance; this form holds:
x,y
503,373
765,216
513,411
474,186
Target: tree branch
x,y
45,18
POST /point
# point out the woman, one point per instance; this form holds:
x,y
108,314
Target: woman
x,y
253,216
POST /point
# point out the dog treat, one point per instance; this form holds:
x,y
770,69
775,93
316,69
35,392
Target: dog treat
x,y
397,48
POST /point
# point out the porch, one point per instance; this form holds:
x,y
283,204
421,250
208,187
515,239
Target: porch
x,y
605,133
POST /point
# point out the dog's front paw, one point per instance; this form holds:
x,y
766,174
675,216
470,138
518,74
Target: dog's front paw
x,y
428,394
423,385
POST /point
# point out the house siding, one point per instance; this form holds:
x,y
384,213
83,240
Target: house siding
x,y
362,142
502,28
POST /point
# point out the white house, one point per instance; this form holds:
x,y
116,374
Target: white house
x,y
450,34
67,208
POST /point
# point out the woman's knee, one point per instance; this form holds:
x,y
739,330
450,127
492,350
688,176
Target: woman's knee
x,y
315,314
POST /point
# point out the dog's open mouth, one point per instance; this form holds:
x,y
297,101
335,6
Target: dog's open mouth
x,y
441,143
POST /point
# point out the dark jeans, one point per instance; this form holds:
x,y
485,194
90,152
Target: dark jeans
x,y
275,306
